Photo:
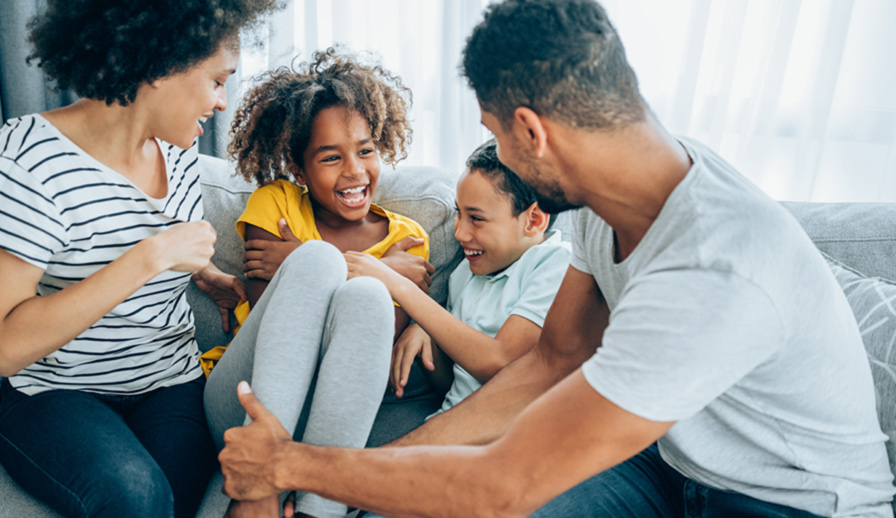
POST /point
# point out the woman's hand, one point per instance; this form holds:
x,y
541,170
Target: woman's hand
x,y
226,290
412,343
410,266
185,247
263,257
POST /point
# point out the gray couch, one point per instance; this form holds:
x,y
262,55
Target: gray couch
x,y
860,240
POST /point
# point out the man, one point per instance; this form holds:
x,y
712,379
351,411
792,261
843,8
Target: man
x,y
730,381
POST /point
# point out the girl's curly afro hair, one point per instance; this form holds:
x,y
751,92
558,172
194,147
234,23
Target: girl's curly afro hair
x,y
272,127
106,49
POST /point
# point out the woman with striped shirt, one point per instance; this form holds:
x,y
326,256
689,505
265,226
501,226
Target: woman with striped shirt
x,y
100,230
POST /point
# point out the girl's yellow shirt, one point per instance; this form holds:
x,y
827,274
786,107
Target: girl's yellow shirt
x,y
286,200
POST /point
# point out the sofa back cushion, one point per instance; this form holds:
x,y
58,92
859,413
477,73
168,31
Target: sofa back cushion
x,y
425,194
859,235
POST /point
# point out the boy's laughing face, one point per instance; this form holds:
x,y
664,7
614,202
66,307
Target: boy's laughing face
x,y
491,236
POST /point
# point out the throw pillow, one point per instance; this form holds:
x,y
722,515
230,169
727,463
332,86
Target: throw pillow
x,y
873,302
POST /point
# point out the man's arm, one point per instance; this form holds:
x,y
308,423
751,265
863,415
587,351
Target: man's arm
x,y
571,334
565,436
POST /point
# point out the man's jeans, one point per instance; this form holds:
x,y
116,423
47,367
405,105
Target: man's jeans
x,y
646,487
90,455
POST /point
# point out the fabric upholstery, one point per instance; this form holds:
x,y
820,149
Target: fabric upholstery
x,y
873,301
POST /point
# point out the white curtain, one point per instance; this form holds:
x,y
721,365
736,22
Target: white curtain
x,y
800,95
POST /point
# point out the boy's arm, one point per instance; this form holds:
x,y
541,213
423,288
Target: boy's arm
x,y
479,354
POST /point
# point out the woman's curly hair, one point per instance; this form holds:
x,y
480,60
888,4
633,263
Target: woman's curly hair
x,y
106,49
272,127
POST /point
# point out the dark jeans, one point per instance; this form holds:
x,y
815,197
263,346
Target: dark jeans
x,y
90,455
646,487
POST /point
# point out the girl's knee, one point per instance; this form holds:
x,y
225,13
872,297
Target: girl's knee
x,y
314,255
368,291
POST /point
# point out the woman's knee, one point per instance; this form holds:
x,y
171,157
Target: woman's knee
x,y
133,487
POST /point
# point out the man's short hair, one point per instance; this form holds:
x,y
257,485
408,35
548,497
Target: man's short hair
x,y
561,58
484,161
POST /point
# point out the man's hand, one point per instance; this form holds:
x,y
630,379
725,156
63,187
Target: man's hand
x,y
413,342
361,264
263,257
226,290
410,266
250,452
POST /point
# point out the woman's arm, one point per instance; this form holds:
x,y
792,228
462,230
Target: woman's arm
x,y
479,354
33,327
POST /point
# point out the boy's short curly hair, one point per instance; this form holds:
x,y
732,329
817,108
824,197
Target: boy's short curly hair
x,y
106,49
272,126
484,160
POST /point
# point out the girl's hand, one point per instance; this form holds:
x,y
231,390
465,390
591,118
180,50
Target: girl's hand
x,y
365,265
263,257
185,247
417,269
413,342
225,289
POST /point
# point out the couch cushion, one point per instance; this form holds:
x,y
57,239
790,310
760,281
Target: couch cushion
x,y
873,301
859,235
425,194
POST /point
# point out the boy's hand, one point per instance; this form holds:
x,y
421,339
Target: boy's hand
x,y
263,257
413,341
415,268
225,289
361,264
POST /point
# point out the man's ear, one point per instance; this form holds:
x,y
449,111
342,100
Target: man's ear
x,y
528,129
536,220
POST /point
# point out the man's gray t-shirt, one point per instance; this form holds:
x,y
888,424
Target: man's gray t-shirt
x,y
726,319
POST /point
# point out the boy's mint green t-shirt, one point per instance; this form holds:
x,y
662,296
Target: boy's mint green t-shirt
x,y
484,302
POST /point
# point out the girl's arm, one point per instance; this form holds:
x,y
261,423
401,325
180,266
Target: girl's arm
x,y
479,354
33,327
265,252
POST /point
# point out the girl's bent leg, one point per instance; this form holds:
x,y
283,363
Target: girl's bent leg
x,y
76,454
289,316
170,423
354,369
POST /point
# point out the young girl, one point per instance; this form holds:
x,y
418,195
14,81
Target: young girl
x,y
312,139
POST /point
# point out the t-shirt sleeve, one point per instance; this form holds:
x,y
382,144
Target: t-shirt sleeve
x,y
540,286
678,339
264,209
31,227
579,257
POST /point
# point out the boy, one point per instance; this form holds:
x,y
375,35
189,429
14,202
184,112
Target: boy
x,y
497,298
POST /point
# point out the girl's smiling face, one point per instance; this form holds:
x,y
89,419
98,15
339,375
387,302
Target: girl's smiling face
x,y
341,165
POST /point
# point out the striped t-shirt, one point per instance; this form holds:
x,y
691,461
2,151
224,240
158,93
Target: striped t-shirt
x,y
66,213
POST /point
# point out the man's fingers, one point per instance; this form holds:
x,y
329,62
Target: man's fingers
x,y
253,407
430,269
285,232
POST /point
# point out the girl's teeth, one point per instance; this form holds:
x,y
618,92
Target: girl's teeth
x,y
473,252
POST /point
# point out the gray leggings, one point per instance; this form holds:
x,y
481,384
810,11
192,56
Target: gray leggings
x,y
312,337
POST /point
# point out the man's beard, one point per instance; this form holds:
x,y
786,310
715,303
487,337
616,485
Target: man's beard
x,y
555,203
